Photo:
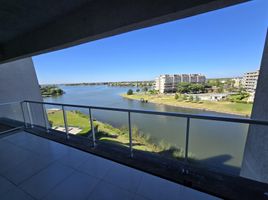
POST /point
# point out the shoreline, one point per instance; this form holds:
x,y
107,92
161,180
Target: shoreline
x,y
132,97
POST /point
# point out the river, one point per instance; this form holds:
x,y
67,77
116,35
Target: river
x,y
218,143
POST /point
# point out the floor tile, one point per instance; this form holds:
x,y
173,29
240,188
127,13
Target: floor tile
x,y
43,182
77,186
152,187
139,197
96,166
124,177
74,158
21,138
16,194
5,185
48,148
26,169
107,191
191,194
12,156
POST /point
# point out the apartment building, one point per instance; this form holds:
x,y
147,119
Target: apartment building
x,y
168,83
250,80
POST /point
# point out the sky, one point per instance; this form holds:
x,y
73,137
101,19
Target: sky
x,y
222,43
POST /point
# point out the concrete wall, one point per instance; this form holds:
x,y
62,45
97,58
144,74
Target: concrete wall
x,y
18,82
255,161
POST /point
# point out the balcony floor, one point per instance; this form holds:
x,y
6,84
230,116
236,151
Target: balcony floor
x,y
36,168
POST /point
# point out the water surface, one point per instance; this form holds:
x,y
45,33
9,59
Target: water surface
x,y
213,142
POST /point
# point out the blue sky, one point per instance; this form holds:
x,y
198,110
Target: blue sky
x,y
222,43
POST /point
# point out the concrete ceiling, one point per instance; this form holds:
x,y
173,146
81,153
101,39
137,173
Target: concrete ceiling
x,y
22,16
31,27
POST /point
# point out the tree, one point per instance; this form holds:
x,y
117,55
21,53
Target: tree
x,y
51,91
138,90
183,87
130,92
196,88
176,96
145,89
190,88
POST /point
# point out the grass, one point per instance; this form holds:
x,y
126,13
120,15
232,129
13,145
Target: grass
x,y
217,106
107,133
75,119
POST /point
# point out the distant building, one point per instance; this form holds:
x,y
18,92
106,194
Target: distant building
x,y
250,80
168,83
212,96
237,82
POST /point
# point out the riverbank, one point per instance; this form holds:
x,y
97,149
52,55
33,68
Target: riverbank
x,y
107,133
51,91
217,106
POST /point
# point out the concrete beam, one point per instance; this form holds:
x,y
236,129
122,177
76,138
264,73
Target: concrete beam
x,y
255,161
102,18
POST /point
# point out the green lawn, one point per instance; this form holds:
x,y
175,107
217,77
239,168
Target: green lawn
x,y
74,119
217,106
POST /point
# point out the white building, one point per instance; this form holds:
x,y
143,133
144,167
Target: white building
x,y
168,83
237,82
212,96
250,80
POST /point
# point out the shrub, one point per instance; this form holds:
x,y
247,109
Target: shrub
x,y
130,92
153,91
191,98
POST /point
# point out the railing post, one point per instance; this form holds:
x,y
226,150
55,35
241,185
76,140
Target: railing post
x,y
92,127
45,117
187,139
30,114
23,114
130,135
65,122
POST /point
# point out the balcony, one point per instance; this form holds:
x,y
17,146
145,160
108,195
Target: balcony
x,y
52,156
32,151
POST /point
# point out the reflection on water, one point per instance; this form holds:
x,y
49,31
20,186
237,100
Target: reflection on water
x,y
217,143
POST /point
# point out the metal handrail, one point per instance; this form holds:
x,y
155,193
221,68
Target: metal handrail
x,y
171,114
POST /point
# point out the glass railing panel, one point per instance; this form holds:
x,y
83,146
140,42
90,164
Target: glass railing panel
x,y
11,114
55,118
34,114
111,127
163,135
78,121
217,144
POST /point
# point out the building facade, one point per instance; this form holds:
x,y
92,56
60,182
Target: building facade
x,y
250,80
168,83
